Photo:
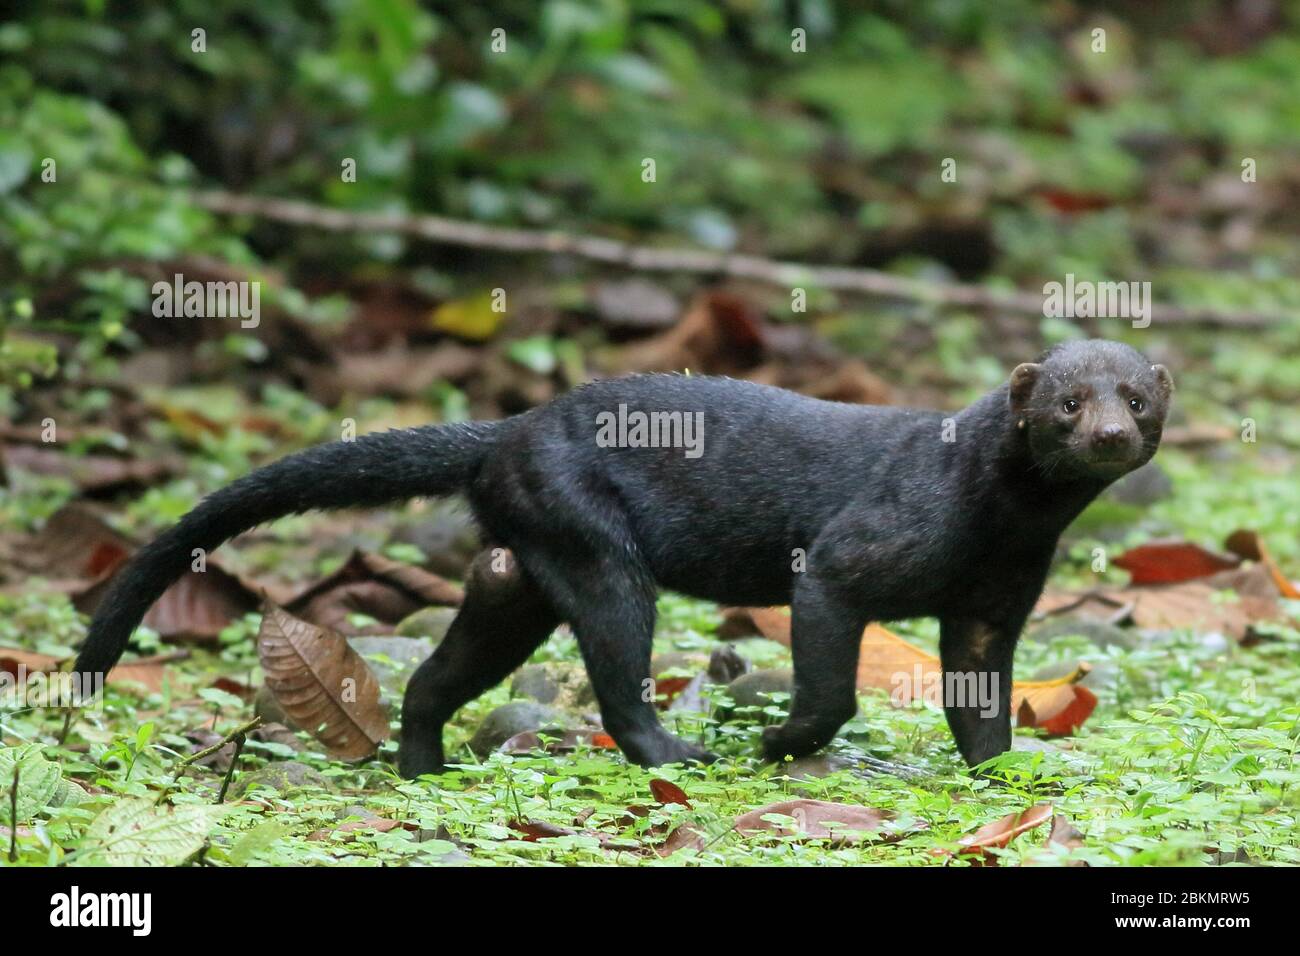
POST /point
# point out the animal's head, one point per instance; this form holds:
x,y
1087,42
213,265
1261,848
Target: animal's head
x,y
1092,409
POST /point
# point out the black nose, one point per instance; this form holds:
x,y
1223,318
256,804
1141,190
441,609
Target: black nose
x,y
1108,436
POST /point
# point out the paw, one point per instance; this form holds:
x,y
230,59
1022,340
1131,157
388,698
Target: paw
x,y
664,748
687,753
788,741
413,761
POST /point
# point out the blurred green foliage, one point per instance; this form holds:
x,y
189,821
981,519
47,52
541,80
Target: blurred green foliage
x,y
816,151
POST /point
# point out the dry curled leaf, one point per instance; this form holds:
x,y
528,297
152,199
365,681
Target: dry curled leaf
x,y
665,791
322,684
375,586
1058,706
75,543
999,833
1249,545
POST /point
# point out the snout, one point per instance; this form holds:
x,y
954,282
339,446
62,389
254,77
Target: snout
x,y
1111,441
1111,450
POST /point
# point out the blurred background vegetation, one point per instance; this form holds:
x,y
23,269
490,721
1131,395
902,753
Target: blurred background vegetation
x,y
1124,164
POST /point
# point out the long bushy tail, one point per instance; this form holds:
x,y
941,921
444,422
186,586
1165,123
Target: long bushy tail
x,y
372,470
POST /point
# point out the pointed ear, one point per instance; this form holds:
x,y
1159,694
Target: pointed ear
x,y
1164,381
1022,385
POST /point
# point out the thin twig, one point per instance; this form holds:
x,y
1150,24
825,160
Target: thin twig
x,y
240,740
871,282
209,751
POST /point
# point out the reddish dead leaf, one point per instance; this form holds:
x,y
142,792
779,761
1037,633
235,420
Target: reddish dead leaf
x,y
1094,604
405,371
998,834
665,791
238,688
668,688
1066,201
1169,562
1063,834
322,684
1250,545
375,586
815,819
1058,706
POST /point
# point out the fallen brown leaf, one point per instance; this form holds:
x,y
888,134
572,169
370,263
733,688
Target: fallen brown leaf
x,y
685,837
375,586
665,791
76,542
322,684
815,820
148,672
1058,706
198,607
1250,545
999,833
1196,604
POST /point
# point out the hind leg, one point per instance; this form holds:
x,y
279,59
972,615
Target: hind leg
x,y
610,602
503,620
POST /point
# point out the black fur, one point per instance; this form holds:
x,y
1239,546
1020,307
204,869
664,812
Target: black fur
x,y
900,513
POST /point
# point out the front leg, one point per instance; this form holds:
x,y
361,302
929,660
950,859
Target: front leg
x,y
826,631
976,660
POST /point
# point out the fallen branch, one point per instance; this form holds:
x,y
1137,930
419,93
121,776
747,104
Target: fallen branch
x,y
615,252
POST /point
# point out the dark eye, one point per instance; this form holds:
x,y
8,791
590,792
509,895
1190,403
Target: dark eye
x,y
1136,404
1070,406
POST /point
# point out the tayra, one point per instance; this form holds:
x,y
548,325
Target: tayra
x,y
848,513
